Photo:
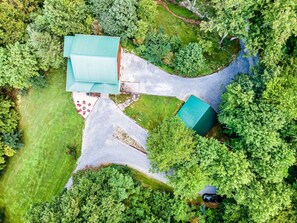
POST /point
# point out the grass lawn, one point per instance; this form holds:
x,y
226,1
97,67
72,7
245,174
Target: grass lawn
x,y
149,111
150,182
181,11
41,168
120,98
219,58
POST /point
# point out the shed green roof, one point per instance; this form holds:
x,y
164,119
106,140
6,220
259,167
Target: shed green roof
x,y
92,63
198,115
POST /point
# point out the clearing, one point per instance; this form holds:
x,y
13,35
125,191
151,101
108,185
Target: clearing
x,y
41,169
149,111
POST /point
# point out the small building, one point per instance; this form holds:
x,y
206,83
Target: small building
x,y
198,115
93,64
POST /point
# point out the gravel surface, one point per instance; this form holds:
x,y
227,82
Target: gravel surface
x,y
152,80
100,147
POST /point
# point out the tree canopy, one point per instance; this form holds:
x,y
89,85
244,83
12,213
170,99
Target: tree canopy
x,y
170,144
111,195
8,126
264,26
18,65
189,60
65,17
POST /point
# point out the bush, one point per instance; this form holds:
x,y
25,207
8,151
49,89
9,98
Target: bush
x,y
66,17
189,60
47,48
110,195
120,19
9,139
17,65
158,45
98,7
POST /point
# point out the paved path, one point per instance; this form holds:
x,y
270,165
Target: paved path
x,y
152,80
100,147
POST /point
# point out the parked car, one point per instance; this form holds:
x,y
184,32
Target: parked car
x,y
213,198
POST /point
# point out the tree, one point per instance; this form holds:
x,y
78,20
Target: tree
x,y
146,13
12,24
188,180
257,124
98,8
261,122
170,144
227,170
158,45
120,19
264,26
18,65
8,125
110,195
189,60
65,17
263,201
48,49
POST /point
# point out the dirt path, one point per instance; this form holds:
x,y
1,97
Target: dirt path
x,y
191,21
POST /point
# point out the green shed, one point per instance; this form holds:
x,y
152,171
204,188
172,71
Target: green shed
x,y
198,115
93,63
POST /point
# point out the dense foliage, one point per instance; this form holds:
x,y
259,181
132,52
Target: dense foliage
x,y
190,60
14,17
18,64
195,161
171,137
47,48
65,17
9,137
258,112
157,46
264,26
111,195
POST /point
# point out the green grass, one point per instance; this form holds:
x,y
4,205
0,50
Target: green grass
x,y
41,168
174,26
147,181
149,111
120,98
181,11
219,57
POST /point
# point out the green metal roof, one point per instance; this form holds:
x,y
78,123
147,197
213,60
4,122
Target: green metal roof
x,y
72,85
68,40
198,115
92,63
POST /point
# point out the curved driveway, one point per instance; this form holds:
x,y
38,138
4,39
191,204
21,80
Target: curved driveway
x,y
100,147
152,80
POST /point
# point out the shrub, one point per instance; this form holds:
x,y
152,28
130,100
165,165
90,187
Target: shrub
x,y
66,17
158,45
47,48
98,7
120,19
189,60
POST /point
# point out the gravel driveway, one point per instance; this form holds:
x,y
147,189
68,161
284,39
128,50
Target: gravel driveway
x,y
100,147
152,80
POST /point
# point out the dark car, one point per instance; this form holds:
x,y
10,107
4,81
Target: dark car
x,y
214,198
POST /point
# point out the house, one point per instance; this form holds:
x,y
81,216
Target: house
x,y
93,63
198,115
